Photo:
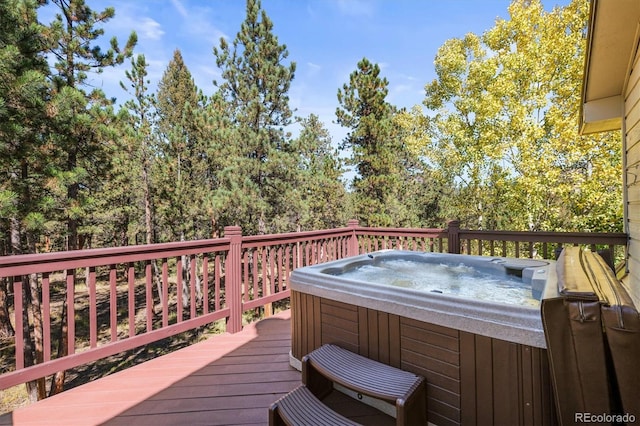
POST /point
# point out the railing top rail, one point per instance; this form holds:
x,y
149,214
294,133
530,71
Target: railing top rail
x,y
419,232
293,237
47,262
618,238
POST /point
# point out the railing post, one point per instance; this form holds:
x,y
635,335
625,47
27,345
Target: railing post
x,y
453,236
233,278
352,244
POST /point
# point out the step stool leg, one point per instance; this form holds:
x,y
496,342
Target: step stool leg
x,y
319,385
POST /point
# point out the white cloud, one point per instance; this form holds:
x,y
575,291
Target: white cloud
x,y
399,88
151,29
200,24
180,8
313,70
204,75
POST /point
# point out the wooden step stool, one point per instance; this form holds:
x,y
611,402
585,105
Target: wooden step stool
x,y
301,407
329,365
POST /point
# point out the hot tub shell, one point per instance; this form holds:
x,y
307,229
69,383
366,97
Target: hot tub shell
x,y
485,362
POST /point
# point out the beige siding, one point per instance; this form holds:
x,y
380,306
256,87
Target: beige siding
x,y
632,143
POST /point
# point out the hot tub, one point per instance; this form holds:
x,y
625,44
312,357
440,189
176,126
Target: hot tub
x,y
484,359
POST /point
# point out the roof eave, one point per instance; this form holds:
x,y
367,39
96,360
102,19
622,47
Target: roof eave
x,y
611,42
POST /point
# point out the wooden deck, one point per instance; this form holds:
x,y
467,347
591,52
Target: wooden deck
x,y
229,379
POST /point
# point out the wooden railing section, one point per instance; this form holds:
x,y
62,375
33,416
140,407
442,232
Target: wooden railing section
x,y
121,298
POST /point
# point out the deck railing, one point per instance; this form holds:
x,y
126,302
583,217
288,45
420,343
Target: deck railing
x,y
120,298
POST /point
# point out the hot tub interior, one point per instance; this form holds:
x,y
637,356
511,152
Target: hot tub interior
x,y
494,279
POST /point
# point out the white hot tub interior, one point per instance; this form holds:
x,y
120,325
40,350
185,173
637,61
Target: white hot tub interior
x,y
492,279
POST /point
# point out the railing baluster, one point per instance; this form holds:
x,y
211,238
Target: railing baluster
x,y
205,284
296,255
19,330
93,305
192,285
245,274
113,302
218,272
307,253
165,292
148,278
269,289
46,316
279,268
287,267
71,311
179,289
131,282
255,274
263,268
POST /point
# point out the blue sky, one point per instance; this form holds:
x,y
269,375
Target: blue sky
x,y
326,39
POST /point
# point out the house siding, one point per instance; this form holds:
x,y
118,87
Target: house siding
x,y
631,130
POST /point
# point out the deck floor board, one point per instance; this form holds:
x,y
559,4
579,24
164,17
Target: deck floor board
x,y
229,379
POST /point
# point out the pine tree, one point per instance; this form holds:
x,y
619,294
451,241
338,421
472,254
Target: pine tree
x,y
181,165
82,126
23,196
263,164
127,213
81,118
322,193
23,90
376,150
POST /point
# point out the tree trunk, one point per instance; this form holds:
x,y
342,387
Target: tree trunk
x,y
72,197
27,340
148,225
38,332
6,328
34,387
148,222
57,382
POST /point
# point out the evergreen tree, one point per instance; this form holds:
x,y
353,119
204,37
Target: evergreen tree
x,y
23,89
23,196
82,125
181,165
262,166
219,158
127,214
81,119
376,149
322,193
